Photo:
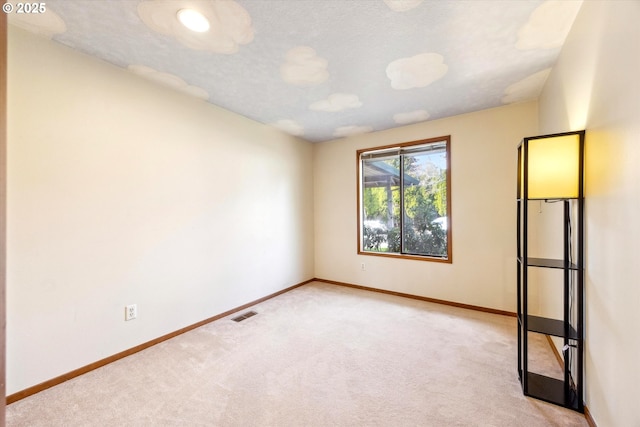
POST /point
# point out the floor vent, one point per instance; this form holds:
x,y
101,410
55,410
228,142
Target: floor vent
x,y
244,316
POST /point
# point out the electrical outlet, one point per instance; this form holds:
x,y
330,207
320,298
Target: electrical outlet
x,y
363,267
130,312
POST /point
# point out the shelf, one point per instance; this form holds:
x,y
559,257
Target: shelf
x,y
543,325
550,390
549,263
537,184
560,199
566,285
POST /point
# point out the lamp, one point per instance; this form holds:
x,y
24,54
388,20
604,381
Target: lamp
x,y
553,165
193,20
550,168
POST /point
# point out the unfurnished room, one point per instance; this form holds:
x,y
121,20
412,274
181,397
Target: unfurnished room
x,y
320,212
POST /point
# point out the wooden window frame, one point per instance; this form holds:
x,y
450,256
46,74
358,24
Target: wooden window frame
x,y
359,201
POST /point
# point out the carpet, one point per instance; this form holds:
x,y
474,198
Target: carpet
x,y
319,355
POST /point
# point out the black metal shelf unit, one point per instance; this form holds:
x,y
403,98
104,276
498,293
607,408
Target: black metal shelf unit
x,y
568,391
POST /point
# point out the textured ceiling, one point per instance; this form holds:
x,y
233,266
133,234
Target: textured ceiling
x,y
323,69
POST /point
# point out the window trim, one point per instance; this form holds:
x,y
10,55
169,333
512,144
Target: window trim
x,y
359,203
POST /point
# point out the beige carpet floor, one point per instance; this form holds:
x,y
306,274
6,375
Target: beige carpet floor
x,y
320,355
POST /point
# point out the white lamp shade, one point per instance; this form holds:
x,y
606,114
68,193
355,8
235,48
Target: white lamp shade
x,y
553,167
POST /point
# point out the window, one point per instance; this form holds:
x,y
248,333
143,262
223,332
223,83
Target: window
x,y
414,179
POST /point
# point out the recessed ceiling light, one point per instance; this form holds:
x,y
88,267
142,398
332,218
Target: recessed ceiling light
x,y
193,20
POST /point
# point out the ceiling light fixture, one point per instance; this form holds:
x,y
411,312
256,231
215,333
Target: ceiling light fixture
x,y
193,20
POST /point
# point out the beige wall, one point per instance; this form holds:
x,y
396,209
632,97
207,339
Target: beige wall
x,y
483,158
122,192
595,86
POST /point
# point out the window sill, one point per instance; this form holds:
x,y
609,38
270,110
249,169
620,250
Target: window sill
x,y
406,256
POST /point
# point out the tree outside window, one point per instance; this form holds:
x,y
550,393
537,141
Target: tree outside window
x,y
404,200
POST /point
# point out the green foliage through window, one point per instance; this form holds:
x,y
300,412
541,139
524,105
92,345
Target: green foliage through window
x,y
404,199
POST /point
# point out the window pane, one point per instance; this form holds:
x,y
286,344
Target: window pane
x,y
404,200
425,202
381,204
